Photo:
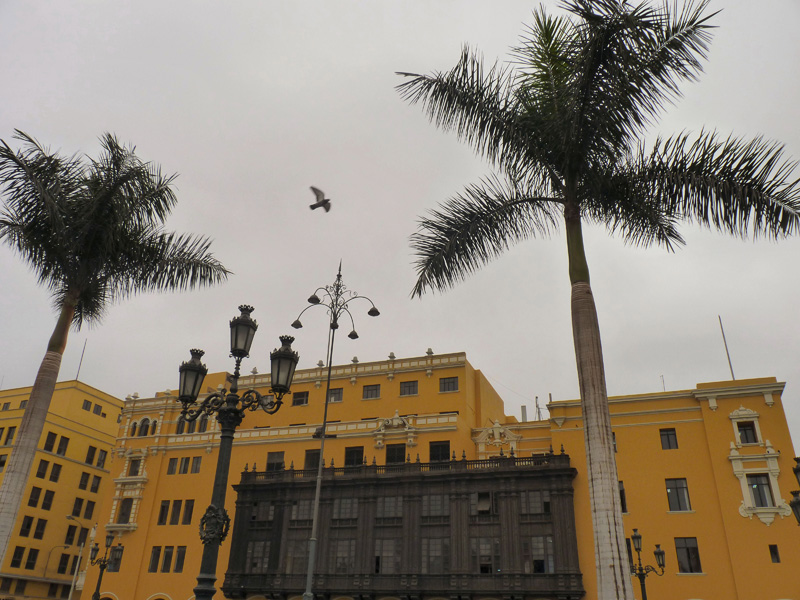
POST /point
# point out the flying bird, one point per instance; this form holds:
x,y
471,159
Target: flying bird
x,y
321,200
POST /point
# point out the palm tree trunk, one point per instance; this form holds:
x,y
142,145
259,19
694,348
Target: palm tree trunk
x,y
613,577
20,463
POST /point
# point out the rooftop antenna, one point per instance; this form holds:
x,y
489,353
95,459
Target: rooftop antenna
x,y
662,384
538,410
77,375
730,366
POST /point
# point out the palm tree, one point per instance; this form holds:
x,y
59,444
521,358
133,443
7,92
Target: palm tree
x,y
92,232
562,126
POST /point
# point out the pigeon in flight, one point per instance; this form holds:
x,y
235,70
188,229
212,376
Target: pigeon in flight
x,y
321,200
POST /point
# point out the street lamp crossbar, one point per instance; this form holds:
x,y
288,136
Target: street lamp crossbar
x,y
642,571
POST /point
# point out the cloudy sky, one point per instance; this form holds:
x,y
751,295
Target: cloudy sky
x,y
252,102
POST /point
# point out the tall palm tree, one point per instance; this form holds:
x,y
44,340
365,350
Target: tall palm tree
x,y
92,232
562,126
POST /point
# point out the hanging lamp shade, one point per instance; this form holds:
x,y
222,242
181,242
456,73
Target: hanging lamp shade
x,y
243,330
192,373
660,555
284,362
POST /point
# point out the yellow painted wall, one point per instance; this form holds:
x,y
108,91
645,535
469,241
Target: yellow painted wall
x,y
84,428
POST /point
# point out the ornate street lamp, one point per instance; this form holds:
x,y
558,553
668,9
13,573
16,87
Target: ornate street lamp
x,y
642,571
112,555
229,409
795,501
335,298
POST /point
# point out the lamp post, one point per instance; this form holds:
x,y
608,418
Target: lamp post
x,y
335,298
795,501
111,557
229,409
642,571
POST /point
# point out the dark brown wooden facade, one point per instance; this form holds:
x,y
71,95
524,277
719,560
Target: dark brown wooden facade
x,y
463,530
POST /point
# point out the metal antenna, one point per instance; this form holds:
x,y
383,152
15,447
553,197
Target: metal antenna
x,y
724,341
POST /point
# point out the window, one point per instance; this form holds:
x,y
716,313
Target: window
x,y
41,524
371,392
89,511
436,555
390,507
10,436
124,512
133,467
33,554
747,432
435,505
688,555
175,516
296,556
181,424
440,451
33,499
5,584
300,399
76,507
335,395
6,405
275,461
485,554
62,446
538,555
166,563
188,509
669,440
47,501
448,384
52,590
409,388
395,454
180,557
41,471
16,558
155,556
98,410
342,556
172,466
202,425
134,426
86,405
84,482
353,456
614,440
69,539
196,460
301,510
3,461
535,502
101,459
773,553
184,468
760,490
90,454
163,513
311,460
678,495
623,499
345,508
23,404
95,483
482,503
387,556
144,427
25,528
82,536
49,442
257,556
63,563
19,589
55,472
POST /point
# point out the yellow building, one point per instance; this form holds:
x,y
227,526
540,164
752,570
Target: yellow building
x,y
62,497
705,473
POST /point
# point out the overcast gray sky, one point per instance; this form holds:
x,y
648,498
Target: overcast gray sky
x,y
252,102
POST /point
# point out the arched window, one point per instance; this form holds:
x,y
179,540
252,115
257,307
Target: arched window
x,y
153,427
181,424
133,429
124,512
144,427
203,427
190,426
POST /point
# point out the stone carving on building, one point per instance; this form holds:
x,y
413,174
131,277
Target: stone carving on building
x,y
395,429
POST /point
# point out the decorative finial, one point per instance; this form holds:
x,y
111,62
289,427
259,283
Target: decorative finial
x,y
429,352
320,364
392,356
355,360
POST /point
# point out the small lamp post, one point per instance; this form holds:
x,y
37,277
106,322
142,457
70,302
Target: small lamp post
x,y
229,408
642,571
112,555
795,501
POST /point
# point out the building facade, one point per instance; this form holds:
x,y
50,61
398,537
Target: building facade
x,y
71,474
705,473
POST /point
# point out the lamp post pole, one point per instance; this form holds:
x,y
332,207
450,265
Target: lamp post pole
x,y
794,503
642,571
111,556
80,553
229,408
335,298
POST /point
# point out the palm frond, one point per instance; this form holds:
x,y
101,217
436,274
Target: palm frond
x,y
475,227
737,186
